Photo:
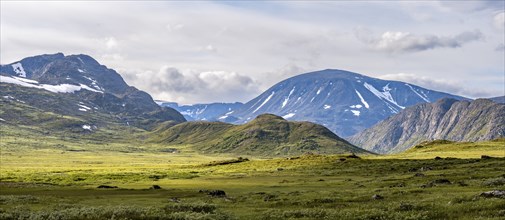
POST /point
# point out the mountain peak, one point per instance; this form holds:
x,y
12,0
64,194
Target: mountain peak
x,y
268,117
344,101
84,59
330,74
444,103
80,78
54,56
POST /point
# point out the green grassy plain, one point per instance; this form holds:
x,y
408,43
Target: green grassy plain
x,y
46,177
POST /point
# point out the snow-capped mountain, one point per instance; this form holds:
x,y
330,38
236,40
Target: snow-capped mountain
x,y
343,101
79,86
204,112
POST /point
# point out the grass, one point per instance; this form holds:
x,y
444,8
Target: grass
x,y
442,148
47,177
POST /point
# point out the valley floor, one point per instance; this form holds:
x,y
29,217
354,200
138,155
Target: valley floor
x,y
61,183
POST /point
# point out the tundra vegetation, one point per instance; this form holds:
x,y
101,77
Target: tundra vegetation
x,y
119,174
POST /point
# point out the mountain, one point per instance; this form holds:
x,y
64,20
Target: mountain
x,y
343,101
204,112
266,135
75,87
499,99
446,119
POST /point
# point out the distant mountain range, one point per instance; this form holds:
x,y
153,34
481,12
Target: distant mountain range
x,y
76,89
447,119
267,135
61,94
69,96
343,101
204,112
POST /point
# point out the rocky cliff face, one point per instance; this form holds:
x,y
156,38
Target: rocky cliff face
x,y
448,119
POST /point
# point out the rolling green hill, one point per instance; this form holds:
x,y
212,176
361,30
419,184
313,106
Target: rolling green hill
x,y
267,135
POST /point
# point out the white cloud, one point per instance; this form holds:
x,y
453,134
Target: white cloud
x,y
112,57
473,6
500,47
210,48
403,42
499,20
174,27
191,86
266,42
111,43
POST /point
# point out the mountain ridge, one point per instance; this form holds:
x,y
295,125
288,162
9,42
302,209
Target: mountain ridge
x,y
79,79
204,112
447,119
498,99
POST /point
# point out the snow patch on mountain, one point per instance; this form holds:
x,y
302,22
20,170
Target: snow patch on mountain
x,y
393,109
355,112
83,107
413,90
93,83
290,115
18,68
61,88
86,127
287,99
225,116
362,99
382,95
264,102
90,89
327,106
81,71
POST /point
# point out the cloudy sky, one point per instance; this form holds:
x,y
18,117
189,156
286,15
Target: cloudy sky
x,y
216,51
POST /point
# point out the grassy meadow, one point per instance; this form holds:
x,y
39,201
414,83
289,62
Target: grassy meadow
x,y
48,177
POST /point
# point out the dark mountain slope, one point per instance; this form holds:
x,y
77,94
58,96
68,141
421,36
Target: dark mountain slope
x,y
447,119
78,86
498,99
